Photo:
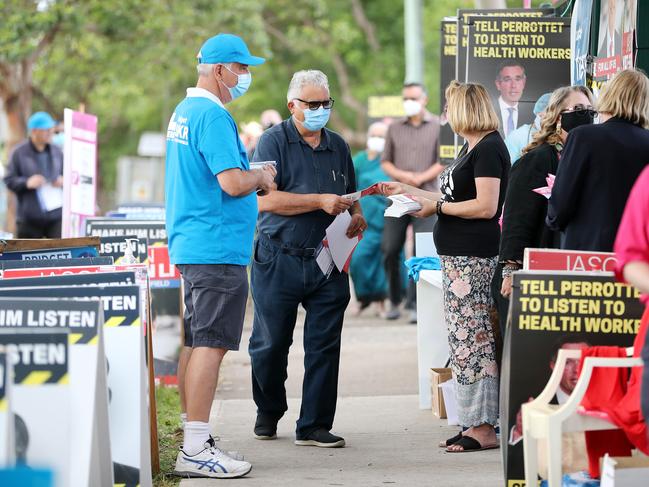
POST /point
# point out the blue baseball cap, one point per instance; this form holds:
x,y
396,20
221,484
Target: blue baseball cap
x,y
542,103
40,120
227,48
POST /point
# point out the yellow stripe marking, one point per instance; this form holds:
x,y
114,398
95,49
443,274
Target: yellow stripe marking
x,y
136,322
114,321
74,338
3,404
37,377
94,340
65,379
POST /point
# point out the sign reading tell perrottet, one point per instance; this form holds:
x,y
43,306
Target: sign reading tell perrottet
x,y
552,311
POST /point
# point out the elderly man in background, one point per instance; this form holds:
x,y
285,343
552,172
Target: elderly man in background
x,y
35,174
211,209
314,170
411,156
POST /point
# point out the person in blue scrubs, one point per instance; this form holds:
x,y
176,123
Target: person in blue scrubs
x,y
520,138
314,170
211,209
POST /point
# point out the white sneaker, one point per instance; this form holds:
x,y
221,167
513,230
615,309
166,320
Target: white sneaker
x,y
210,462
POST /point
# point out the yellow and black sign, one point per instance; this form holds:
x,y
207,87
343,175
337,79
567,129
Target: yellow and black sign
x,y
551,312
38,357
38,314
379,107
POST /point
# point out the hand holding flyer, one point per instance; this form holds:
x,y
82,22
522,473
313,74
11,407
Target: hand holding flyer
x,y
374,189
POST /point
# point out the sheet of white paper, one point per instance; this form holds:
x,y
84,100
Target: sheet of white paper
x,y
261,164
325,261
340,245
51,198
353,196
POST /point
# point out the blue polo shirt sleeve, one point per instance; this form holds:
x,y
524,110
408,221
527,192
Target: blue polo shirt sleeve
x,y
218,144
268,150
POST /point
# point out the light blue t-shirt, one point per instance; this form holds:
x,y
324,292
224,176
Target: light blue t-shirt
x,y
205,225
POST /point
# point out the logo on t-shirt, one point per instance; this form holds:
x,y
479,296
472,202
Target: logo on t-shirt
x,y
447,185
178,131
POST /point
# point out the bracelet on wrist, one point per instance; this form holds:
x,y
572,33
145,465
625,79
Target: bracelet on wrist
x,y
438,207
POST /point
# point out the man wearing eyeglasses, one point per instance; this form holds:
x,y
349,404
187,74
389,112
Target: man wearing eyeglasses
x,y
510,83
314,170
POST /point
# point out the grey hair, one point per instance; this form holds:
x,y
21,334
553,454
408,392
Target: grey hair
x,y
205,69
308,77
376,125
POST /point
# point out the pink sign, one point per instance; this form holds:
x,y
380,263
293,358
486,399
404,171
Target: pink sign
x,y
79,170
568,260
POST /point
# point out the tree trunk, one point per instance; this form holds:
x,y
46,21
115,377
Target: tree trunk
x,y
16,93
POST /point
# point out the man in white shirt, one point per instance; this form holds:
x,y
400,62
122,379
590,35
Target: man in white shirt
x,y
510,83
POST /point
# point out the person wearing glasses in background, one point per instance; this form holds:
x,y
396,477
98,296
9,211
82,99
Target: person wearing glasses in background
x,y
525,210
411,156
314,170
599,165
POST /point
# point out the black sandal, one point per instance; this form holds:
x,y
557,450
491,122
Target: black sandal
x,y
451,441
469,444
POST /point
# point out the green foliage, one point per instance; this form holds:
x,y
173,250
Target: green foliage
x,y
129,61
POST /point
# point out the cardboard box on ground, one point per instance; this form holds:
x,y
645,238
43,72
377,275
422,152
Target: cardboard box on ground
x,y
437,378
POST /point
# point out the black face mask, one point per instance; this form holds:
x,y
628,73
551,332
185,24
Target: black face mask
x,y
570,120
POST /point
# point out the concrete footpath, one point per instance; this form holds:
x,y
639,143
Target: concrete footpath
x,y
389,440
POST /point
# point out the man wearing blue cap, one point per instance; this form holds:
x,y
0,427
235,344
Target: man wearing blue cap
x,y
520,138
35,174
211,210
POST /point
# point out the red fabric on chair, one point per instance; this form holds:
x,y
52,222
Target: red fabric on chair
x,y
613,391
607,388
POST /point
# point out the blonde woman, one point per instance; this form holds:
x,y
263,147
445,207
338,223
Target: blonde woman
x,y
600,164
466,236
525,210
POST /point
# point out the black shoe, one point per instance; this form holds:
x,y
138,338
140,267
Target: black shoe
x,y
265,428
322,438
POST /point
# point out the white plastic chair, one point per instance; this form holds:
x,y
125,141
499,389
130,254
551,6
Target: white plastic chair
x,y
542,420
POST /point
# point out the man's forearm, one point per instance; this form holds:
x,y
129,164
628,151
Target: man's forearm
x,y
356,208
637,274
288,204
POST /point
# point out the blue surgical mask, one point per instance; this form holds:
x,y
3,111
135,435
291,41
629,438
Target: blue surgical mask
x,y
316,119
58,139
243,83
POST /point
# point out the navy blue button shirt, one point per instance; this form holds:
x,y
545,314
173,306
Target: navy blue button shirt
x,y
301,169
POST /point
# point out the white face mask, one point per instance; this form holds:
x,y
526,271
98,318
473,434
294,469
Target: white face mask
x,y
411,107
376,144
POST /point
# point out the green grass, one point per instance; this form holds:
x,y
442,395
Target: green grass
x,y
169,434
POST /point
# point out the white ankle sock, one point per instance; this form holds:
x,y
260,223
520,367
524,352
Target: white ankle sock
x,y
183,418
196,434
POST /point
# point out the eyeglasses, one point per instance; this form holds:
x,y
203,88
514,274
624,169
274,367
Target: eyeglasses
x,y
314,105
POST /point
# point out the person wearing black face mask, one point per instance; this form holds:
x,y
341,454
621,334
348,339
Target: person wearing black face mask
x,y
524,211
600,164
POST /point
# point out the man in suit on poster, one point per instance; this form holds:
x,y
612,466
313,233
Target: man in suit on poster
x,y
510,83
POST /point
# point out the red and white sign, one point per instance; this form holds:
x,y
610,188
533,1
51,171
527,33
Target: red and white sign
x,y
79,170
568,260
160,267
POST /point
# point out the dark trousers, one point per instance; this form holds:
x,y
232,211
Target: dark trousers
x,y
394,236
280,282
502,303
41,229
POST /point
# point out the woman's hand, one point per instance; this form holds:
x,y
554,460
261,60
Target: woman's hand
x,y
506,288
428,207
393,187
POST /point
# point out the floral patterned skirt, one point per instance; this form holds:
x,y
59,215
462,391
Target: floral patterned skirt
x,y
467,302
